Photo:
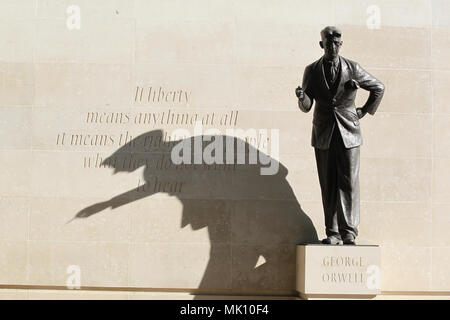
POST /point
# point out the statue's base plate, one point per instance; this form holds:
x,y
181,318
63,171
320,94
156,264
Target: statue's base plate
x,y
332,272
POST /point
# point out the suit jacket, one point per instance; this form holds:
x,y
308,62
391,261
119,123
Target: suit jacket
x,y
337,107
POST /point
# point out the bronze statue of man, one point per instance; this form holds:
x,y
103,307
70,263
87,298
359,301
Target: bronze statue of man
x,y
332,82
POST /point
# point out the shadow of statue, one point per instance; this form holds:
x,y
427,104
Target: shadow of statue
x,y
261,221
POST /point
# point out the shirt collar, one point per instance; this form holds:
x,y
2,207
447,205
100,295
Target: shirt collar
x,y
334,62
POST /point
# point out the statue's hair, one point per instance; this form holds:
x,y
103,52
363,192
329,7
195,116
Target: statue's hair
x,y
330,31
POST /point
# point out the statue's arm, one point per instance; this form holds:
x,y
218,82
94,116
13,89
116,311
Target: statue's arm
x,y
305,101
305,104
369,83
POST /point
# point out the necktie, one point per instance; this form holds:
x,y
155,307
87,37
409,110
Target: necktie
x,y
331,72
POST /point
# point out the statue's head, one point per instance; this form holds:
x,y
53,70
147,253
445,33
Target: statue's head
x,y
331,42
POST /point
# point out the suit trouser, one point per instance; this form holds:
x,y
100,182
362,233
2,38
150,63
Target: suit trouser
x,y
338,170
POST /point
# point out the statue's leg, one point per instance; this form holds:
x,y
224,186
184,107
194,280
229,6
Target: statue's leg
x,y
348,194
326,167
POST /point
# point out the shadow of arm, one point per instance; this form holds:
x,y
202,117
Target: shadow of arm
x,y
117,201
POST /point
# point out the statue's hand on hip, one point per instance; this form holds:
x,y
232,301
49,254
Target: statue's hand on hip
x,y
361,113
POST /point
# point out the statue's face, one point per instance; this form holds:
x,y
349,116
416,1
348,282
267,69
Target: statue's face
x,y
331,47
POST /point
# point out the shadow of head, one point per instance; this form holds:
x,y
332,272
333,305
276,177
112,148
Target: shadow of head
x,y
217,166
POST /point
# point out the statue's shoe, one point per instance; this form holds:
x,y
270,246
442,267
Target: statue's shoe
x,y
332,240
349,239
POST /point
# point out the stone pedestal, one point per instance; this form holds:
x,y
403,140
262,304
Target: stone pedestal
x,y
328,271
